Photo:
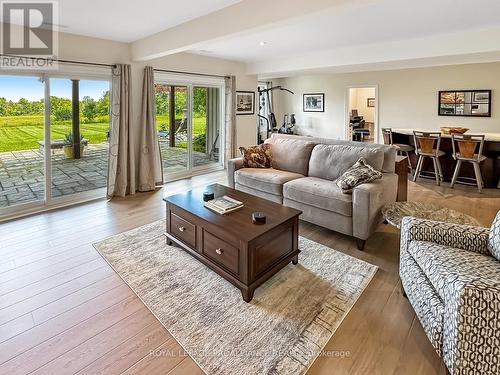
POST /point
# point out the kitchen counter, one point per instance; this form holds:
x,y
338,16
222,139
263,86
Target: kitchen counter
x,y
490,168
491,137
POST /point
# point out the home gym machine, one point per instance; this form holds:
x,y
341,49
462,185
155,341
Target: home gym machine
x,y
270,120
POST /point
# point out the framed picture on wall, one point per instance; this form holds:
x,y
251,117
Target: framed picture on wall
x,y
245,102
314,102
467,103
370,102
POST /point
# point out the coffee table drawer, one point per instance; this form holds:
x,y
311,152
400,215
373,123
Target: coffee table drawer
x,y
221,252
183,229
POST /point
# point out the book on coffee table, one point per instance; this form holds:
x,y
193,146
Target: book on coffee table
x,y
223,205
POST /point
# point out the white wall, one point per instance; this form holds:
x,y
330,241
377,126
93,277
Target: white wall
x,y
407,98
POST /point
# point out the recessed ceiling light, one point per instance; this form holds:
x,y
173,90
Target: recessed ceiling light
x,y
262,43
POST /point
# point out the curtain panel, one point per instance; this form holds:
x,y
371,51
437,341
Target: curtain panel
x,y
121,163
150,167
230,118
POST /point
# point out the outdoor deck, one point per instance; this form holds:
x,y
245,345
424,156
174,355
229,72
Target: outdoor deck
x,y
22,172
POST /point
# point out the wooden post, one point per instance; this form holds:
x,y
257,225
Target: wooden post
x,y
75,102
171,126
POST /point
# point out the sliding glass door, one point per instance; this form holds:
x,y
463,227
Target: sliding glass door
x,y
54,135
172,124
206,126
79,130
189,116
22,171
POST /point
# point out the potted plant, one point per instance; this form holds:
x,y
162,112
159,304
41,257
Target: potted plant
x,y
68,145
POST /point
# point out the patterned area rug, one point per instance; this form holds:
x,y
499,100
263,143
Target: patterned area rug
x,y
283,329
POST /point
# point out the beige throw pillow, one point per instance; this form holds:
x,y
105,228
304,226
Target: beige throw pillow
x,y
360,173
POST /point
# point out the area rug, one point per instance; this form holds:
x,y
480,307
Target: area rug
x,y
281,331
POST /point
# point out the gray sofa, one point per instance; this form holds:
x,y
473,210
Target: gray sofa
x,y
451,276
303,176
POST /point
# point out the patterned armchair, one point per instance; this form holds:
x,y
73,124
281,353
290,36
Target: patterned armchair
x,y
451,276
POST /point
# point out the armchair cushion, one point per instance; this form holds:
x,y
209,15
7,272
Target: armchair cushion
x,y
464,237
494,238
449,269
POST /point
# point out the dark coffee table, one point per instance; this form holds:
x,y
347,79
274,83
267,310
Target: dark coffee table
x,y
243,253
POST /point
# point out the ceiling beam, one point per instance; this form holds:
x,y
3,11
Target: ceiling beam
x,y
242,17
462,47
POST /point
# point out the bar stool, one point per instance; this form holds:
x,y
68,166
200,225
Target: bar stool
x,y
403,149
464,150
424,148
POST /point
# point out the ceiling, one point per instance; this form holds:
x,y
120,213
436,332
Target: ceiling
x,y
356,23
130,20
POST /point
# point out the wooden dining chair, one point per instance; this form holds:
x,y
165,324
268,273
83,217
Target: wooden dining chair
x,y
468,148
403,149
427,145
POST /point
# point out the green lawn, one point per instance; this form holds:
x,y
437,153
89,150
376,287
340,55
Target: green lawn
x,y
23,132
199,123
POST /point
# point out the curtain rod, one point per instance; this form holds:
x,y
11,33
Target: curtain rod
x,y
190,73
62,61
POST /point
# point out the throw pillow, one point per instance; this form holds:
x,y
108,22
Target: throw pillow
x,y
257,156
360,173
494,238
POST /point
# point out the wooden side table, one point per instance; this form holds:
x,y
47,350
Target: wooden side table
x,y
402,171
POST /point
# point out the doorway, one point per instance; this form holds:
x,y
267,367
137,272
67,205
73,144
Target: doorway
x,y
361,123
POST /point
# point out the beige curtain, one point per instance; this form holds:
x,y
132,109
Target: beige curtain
x,y
150,168
121,164
230,118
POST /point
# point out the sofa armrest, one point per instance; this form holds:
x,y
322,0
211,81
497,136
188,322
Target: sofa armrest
x,y
471,326
232,166
463,237
367,202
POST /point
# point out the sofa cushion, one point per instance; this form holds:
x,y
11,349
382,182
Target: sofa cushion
x,y
331,161
291,154
360,173
319,193
389,150
268,180
256,156
449,269
494,237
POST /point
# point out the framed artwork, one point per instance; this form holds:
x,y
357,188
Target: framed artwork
x,y
467,103
370,102
245,102
314,102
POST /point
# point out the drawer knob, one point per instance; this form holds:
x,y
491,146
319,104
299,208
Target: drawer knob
x,y
182,229
218,251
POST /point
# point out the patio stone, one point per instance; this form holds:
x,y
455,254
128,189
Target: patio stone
x,y
22,177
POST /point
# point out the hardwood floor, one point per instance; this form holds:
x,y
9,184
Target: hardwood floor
x,y
63,309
